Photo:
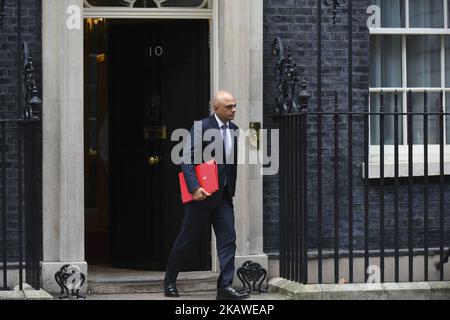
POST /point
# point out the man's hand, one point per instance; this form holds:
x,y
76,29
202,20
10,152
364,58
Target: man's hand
x,y
200,194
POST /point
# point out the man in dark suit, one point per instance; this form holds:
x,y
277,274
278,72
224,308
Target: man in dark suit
x,y
208,208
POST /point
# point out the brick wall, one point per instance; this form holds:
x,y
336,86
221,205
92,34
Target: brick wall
x,y
295,22
10,109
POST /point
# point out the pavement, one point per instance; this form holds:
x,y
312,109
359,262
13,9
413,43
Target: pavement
x,y
207,295
432,290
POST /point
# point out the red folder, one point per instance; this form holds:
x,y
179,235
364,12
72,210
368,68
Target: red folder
x,y
207,176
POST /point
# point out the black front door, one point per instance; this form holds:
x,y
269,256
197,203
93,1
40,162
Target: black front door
x,y
159,82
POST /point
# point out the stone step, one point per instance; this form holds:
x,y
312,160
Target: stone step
x,y
122,281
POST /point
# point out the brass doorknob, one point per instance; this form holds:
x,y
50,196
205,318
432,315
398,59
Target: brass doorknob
x,y
153,161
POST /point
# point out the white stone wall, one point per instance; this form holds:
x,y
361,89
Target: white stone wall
x,y
241,72
63,160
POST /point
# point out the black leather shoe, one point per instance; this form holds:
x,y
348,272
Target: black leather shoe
x,y
170,290
231,294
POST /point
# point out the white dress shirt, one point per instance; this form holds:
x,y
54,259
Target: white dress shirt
x,y
228,133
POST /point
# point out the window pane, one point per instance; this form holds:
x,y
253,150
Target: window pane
x,y
392,13
423,60
447,118
386,61
447,61
426,13
448,12
433,121
389,103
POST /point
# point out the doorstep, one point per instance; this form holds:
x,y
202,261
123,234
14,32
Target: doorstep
x,y
105,280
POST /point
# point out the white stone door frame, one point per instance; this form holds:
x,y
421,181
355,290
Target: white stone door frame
x,y
237,65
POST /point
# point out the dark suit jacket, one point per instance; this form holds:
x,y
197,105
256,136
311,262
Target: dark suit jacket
x,y
226,171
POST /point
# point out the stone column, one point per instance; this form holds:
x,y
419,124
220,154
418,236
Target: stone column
x,y
241,72
63,171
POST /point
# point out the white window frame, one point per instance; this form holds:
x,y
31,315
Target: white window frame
x,y
418,150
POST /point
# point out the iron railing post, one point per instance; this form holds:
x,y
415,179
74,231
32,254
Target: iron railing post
x,y
19,109
350,139
425,184
396,195
304,97
382,186
336,189
366,188
441,187
4,212
319,141
410,187
296,199
292,210
282,200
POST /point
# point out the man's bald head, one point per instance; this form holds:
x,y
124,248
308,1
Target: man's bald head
x,y
221,97
224,105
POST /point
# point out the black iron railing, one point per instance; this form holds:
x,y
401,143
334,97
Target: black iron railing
x,y
390,210
20,182
351,186
21,222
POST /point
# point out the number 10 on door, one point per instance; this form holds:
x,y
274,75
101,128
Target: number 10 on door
x,y
156,51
